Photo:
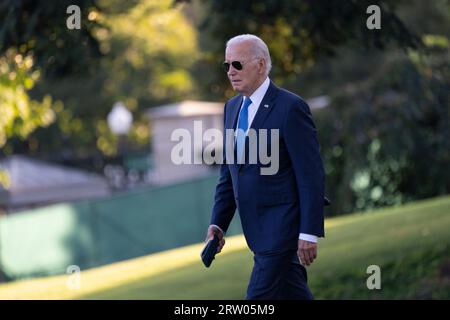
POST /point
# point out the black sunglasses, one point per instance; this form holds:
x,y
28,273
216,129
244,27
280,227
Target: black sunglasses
x,y
236,64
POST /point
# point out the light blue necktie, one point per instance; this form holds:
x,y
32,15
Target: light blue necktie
x,y
242,129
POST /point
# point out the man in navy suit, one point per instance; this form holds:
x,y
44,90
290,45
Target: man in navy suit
x,y
282,213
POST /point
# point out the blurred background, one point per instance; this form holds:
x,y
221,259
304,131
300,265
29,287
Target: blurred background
x,y
86,116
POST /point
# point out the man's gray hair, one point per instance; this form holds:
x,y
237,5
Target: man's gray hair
x,y
260,49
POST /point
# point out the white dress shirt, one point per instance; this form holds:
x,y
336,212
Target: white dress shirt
x,y
256,99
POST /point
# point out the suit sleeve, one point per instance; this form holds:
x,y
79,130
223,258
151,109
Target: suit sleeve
x,y
303,147
224,203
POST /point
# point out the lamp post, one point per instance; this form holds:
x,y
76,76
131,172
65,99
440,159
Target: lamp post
x,y
119,121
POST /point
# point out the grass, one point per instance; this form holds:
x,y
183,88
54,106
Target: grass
x,y
411,244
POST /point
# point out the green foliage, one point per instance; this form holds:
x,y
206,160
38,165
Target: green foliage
x,y
405,277
5,182
149,51
36,32
299,32
145,50
20,115
384,137
39,28
390,142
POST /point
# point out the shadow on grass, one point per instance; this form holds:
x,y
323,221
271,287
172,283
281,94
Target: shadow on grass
x,y
422,274
226,279
418,275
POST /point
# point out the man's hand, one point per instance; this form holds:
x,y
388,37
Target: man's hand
x,y
210,235
307,252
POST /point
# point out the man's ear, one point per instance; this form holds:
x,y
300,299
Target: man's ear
x,y
262,65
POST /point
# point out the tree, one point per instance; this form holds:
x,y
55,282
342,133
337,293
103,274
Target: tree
x,y
39,28
20,115
35,43
299,32
385,140
139,52
384,136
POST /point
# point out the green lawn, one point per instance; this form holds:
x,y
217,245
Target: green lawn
x,y
411,244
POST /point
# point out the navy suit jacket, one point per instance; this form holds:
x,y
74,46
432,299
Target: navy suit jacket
x,y
274,209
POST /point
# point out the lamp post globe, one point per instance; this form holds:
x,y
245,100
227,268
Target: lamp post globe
x,y
120,119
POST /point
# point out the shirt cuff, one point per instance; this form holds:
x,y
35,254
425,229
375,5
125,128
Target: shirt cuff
x,y
215,225
308,237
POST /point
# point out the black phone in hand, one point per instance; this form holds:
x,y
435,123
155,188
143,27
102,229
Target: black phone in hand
x,y
209,251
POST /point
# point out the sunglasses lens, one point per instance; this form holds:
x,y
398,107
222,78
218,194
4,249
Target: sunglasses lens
x,y
237,65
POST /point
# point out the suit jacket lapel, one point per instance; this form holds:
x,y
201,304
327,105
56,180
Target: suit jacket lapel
x,y
263,111
265,107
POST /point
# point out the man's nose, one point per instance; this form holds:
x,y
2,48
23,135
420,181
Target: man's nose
x,y
232,71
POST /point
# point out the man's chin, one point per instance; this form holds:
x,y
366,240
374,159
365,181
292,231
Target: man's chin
x,y
237,88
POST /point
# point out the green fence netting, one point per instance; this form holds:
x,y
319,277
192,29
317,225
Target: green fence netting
x,y
87,234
